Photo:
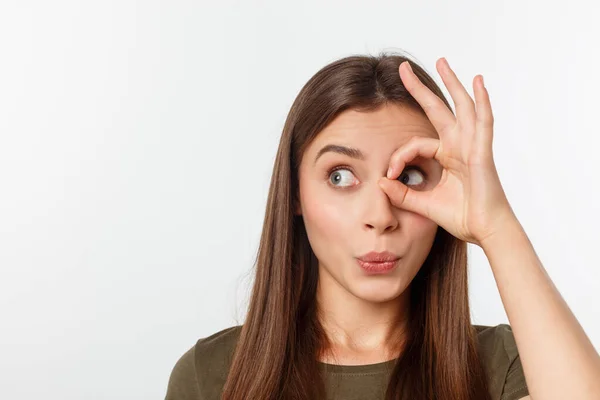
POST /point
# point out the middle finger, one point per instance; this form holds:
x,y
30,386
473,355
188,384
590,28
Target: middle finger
x,y
465,107
436,110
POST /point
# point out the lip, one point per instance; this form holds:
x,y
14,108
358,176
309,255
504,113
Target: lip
x,y
373,268
381,257
378,263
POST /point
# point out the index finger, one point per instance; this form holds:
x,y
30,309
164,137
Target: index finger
x,y
416,146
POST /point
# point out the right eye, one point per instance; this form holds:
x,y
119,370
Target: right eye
x,y
340,174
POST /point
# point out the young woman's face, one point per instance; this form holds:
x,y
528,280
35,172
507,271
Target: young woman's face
x,y
347,214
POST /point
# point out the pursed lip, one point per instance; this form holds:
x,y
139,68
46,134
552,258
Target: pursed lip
x,y
381,257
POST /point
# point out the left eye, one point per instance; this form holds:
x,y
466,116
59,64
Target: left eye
x,y
414,169
337,176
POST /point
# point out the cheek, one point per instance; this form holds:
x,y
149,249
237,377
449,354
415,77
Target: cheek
x,y
423,231
423,224
326,219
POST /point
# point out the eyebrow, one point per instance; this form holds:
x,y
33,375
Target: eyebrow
x,y
336,148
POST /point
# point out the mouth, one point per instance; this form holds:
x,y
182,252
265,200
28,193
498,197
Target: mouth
x,y
377,267
379,257
378,262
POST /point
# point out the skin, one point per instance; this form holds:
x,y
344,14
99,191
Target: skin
x,y
347,214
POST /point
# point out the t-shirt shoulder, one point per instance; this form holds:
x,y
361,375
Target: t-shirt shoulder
x,y
501,361
201,371
183,384
216,351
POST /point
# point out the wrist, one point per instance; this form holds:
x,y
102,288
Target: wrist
x,y
506,227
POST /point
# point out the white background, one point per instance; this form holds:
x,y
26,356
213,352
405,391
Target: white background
x,y
137,140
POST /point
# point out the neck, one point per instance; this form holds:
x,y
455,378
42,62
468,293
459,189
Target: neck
x,y
357,330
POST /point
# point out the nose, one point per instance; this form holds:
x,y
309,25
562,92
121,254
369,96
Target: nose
x,y
379,211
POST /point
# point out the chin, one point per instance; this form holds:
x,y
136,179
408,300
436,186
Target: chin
x,y
378,292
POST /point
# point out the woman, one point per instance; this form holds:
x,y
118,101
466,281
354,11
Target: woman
x,y
361,275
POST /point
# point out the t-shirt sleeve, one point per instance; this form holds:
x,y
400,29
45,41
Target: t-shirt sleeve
x,y
183,383
515,386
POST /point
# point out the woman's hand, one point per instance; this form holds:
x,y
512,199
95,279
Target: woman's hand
x,y
469,201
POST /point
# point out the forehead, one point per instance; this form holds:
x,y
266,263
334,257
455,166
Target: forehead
x,y
390,125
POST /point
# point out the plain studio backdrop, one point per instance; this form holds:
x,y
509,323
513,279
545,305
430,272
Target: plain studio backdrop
x,y
137,145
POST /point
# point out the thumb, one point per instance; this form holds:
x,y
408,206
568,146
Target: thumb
x,y
402,196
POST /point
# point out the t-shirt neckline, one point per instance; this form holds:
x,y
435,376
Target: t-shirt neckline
x,y
384,366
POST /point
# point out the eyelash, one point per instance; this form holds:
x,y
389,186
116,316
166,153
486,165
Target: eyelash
x,y
337,167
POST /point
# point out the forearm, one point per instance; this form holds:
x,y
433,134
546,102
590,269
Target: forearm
x,y
559,361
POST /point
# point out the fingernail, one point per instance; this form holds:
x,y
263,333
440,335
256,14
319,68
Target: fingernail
x,y
389,173
408,65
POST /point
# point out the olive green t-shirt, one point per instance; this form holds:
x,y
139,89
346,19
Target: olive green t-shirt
x,y
200,373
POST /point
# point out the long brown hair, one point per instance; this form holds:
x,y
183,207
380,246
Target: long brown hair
x,y
276,352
